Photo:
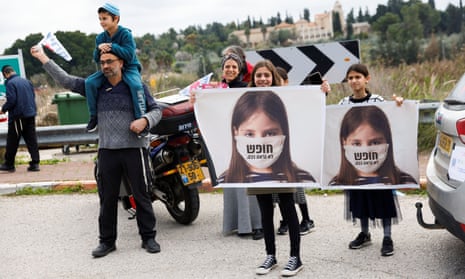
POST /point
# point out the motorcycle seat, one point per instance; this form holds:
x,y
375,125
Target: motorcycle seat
x,y
176,118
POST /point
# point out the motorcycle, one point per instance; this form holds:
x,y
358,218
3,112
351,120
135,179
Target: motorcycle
x,y
177,154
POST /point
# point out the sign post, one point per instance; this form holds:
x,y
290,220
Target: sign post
x,y
331,60
16,61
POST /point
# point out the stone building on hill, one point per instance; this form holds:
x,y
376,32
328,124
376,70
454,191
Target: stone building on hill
x,y
321,29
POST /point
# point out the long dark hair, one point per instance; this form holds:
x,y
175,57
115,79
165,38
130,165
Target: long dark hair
x,y
271,104
277,80
361,69
376,119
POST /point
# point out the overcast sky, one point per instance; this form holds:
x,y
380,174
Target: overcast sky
x,y
23,17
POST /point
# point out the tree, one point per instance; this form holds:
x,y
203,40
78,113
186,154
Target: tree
x,y
360,15
337,26
452,20
382,24
247,35
263,29
289,19
432,4
429,18
307,14
399,40
282,37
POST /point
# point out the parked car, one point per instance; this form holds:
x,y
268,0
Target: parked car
x,y
445,171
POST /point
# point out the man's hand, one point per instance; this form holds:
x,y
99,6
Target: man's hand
x,y
139,125
38,52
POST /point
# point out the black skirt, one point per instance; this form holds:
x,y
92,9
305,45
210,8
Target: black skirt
x,y
372,204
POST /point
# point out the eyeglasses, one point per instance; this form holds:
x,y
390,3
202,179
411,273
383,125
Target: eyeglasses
x,y
108,62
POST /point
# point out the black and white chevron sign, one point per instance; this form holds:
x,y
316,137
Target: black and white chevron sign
x,y
330,59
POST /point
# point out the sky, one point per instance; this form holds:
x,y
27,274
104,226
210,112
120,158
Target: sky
x,y
23,17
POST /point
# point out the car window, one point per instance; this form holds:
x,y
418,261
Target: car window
x,y
457,95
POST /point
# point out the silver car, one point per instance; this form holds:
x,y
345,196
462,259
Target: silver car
x,y
445,172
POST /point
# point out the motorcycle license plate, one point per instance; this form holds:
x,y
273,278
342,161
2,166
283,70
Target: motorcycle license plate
x,y
190,172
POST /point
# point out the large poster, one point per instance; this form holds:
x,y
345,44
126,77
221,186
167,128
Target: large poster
x,y
370,146
272,136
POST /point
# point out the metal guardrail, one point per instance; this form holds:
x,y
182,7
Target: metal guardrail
x,y
47,136
426,112
76,134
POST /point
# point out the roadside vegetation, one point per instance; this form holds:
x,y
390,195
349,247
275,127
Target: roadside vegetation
x,y
73,189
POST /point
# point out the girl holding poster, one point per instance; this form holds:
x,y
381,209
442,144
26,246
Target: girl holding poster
x,y
365,129
259,120
241,212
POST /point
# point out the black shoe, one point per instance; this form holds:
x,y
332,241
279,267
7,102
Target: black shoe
x,y
102,250
306,226
362,239
283,228
293,266
92,125
388,247
4,167
257,234
33,167
269,263
151,246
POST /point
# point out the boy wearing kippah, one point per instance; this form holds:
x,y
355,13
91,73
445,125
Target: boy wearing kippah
x,y
118,40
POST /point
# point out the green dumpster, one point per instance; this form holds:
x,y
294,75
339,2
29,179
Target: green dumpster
x,y
72,108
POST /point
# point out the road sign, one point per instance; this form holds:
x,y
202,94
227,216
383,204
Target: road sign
x,y
15,61
330,59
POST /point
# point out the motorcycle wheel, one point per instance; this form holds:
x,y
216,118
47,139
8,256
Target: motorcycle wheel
x,y
186,203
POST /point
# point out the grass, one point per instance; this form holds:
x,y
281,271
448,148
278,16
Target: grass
x,y
39,191
24,160
319,192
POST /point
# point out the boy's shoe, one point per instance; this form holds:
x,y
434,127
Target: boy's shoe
x,y
362,239
388,247
293,266
306,226
269,263
283,228
92,125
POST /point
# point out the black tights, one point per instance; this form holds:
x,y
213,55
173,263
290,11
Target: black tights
x,y
286,200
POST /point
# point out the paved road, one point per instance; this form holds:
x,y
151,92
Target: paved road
x,y
52,237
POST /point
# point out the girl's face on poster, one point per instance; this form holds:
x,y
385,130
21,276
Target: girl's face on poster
x,y
366,149
260,141
230,70
263,77
357,81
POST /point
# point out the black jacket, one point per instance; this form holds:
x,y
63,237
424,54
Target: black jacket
x,y
20,98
